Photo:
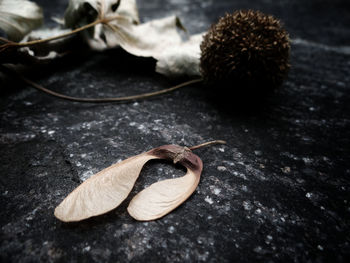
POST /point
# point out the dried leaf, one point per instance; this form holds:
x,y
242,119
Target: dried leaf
x,y
180,60
18,17
83,12
43,53
48,50
164,39
106,190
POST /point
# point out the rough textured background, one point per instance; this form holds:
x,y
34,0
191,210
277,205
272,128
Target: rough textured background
x,y
277,192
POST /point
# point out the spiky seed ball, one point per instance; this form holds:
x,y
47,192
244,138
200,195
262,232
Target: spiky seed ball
x,y
246,48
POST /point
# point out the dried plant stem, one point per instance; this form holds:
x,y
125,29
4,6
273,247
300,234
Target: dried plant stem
x,y
6,40
101,100
9,43
206,144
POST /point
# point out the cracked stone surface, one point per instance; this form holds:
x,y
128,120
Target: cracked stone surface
x,y
277,192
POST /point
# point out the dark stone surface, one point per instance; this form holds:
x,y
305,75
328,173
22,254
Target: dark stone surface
x,y
277,192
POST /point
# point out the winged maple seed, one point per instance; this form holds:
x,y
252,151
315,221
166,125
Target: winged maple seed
x,y
107,189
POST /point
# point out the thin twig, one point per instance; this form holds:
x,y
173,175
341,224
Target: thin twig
x,y
9,43
6,40
206,144
102,100
40,41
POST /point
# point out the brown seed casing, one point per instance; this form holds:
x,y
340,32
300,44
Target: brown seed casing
x,y
179,154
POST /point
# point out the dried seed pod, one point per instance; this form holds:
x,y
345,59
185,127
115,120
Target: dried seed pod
x,y
106,190
246,48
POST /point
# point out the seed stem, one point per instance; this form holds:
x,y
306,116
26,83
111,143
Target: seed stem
x,y
206,144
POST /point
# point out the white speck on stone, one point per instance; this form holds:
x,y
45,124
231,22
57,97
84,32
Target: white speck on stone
x,y
203,257
209,217
86,249
171,229
83,155
136,104
71,155
258,249
51,132
34,211
282,219
243,176
221,149
221,168
319,247
258,153
286,169
247,206
217,191
307,160
78,164
5,193
208,200
132,123
268,237
258,211
141,127
308,195
200,240
86,175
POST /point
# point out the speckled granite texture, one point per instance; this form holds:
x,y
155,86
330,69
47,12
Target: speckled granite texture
x,y
277,192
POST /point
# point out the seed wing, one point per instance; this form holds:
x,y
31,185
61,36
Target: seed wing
x,y
103,191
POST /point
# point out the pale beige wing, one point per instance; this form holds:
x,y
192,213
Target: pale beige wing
x,y
103,191
162,197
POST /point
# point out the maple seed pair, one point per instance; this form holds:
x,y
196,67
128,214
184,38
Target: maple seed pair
x,y
107,189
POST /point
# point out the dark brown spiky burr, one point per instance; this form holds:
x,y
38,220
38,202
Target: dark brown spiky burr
x,y
246,49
